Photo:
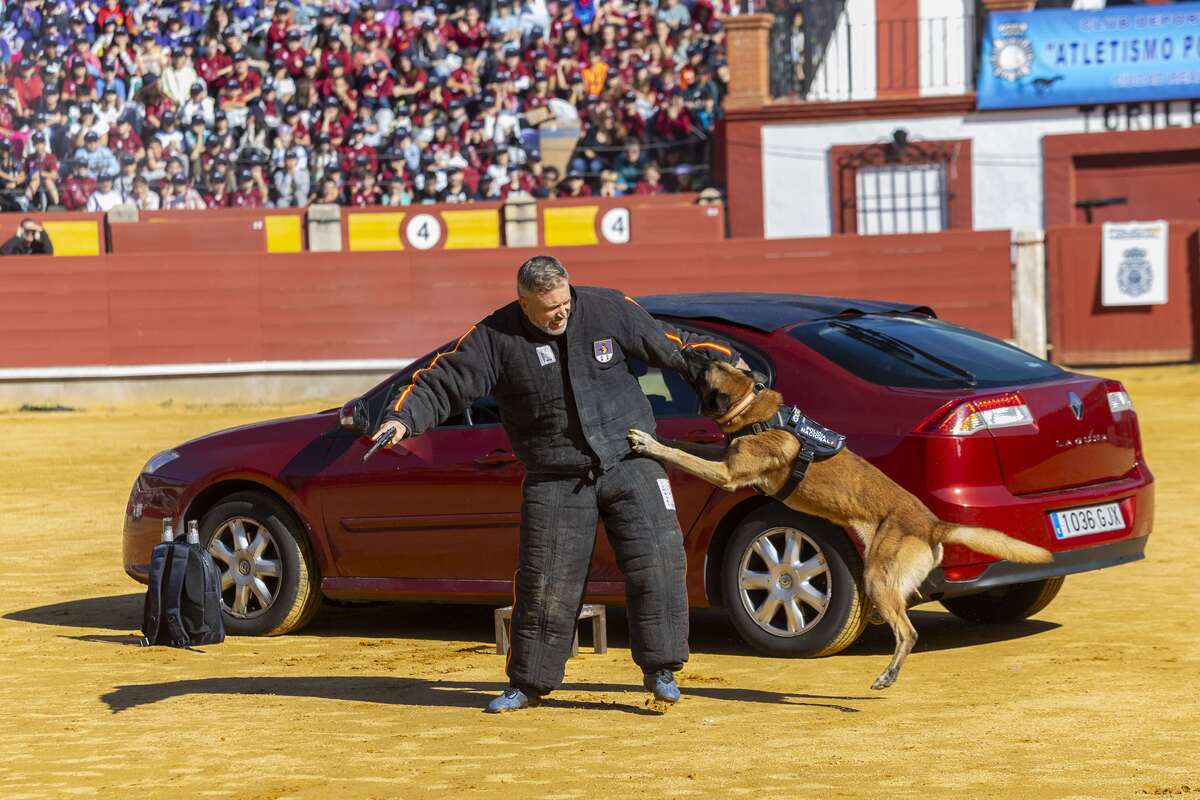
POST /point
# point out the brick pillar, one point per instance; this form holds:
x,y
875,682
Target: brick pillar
x,y
747,48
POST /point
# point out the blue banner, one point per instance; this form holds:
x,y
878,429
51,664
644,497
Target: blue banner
x,y
1063,57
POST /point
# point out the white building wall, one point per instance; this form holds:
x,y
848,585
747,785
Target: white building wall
x,y
847,72
946,46
1006,181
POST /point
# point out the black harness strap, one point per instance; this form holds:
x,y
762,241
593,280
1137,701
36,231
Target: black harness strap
x,y
817,443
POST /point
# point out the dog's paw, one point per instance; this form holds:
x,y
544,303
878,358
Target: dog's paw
x,y
885,679
641,442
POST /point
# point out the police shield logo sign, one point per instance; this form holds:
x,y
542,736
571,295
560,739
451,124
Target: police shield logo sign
x,y
1134,263
603,350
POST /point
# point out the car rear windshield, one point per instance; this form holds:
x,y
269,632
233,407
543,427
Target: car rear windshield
x,y
919,352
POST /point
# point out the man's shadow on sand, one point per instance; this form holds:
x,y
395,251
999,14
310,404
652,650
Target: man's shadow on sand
x,y
443,693
711,631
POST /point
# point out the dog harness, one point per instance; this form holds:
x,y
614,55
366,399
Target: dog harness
x,y
817,443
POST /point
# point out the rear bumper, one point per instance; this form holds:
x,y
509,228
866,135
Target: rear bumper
x,y
1066,562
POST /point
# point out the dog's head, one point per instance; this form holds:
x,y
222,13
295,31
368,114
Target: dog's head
x,y
721,385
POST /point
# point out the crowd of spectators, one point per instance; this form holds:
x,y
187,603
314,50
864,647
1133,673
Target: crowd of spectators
x,y
191,104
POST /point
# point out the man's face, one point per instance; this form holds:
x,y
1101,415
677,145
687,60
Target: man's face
x,y
549,310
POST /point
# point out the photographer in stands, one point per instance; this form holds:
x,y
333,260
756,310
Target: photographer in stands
x,y
31,240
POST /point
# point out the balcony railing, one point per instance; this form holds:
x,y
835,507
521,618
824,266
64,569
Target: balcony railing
x,y
818,52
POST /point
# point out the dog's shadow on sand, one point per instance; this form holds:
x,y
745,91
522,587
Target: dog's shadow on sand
x,y
443,693
711,630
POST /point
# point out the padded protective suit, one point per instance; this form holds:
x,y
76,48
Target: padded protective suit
x,y
567,403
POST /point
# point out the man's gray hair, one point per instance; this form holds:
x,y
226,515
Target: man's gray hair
x,y
540,274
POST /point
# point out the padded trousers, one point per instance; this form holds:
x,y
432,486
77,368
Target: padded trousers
x,y
558,533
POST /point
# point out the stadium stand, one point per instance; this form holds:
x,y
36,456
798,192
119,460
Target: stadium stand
x,y
185,104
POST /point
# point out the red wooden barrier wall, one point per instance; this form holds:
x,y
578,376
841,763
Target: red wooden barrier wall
x,y
1082,331
183,308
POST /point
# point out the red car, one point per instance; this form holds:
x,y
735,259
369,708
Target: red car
x,y
984,433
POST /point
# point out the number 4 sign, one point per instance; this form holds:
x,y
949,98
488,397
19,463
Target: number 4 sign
x,y
423,231
614,226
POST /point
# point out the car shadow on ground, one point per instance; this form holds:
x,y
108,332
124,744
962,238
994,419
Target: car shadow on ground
x,y
445,693
711,630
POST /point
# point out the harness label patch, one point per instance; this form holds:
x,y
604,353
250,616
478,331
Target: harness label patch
x,y
603,351
545,354
664,488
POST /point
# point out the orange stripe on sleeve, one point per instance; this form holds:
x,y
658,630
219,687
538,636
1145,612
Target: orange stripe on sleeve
x,y
408,389
711,346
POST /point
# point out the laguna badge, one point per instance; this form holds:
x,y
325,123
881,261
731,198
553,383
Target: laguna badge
x,y
603,350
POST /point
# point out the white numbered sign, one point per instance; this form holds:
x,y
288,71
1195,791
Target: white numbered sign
x,y
614,226
423,231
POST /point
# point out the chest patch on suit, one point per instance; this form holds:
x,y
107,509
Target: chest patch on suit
x,y
603,350
545,354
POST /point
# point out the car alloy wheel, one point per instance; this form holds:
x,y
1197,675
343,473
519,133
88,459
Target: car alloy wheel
x,y
250,563
784,582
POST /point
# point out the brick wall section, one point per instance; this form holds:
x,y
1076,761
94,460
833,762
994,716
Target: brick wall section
x,y
749,55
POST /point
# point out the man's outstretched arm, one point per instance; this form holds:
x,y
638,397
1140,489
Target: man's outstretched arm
x,y
454,379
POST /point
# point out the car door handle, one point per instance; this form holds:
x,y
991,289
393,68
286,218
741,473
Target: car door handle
x,y
496,458
704,437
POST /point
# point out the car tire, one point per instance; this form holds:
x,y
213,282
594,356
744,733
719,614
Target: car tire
x,y
284,567
827,552
1011,603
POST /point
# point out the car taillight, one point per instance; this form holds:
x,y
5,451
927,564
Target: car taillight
x,y
1118,398
980,413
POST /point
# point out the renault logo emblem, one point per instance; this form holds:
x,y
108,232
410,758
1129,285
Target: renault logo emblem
x,y
1076,405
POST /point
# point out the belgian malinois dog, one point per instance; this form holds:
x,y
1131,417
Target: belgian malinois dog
x,y
902,539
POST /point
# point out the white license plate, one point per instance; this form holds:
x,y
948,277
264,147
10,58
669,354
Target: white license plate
x,y
1087,520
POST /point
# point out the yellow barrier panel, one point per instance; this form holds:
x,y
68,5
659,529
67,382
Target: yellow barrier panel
x,y
472,230
74,238
283,234
570,225
375,231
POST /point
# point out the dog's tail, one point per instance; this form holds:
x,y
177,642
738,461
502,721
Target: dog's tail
x,y
994,543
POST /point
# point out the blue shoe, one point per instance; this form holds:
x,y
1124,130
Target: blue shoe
x,y
513,699
662,684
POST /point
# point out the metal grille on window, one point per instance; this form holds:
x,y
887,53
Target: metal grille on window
x,y
901,185
901,198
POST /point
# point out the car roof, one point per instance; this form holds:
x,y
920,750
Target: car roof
x,y
765,311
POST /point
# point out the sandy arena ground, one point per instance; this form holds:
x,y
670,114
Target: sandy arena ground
x,y
1096,697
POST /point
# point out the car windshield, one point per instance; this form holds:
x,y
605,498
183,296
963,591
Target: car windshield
x,y
918,352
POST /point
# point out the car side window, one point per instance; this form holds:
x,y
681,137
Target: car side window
x,y
667,391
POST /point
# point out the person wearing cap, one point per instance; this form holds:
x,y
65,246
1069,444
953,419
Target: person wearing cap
x,y
674,13
181,195
395,192
574,186
169,134
367,23
198,104
151,56
99,159
31,239
329,193
78,186
129,171
27,86
178,77
124,140
277,31
41,167
104,197
215,195
291,181
248,193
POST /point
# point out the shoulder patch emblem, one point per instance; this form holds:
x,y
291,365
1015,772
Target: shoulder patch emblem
x,y
603,350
